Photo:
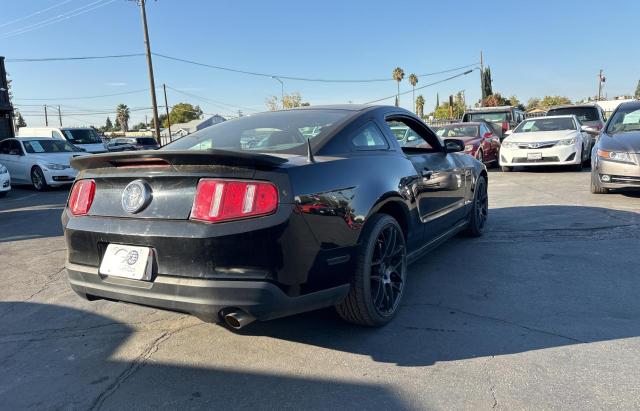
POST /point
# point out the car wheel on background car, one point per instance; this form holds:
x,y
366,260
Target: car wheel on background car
x,y
38,180
379,279
480,209
595,186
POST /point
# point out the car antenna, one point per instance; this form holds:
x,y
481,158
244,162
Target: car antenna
x,y
310,158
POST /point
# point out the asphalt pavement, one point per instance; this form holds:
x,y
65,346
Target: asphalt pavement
x,y
540,313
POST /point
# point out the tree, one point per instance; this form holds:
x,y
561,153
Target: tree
x,y
550,101
420,106
182,113
292,100
398,76
108,125
161,118
20,120
437,100
140,126
444,111
637,94
486,81
413,80
533,103
122,117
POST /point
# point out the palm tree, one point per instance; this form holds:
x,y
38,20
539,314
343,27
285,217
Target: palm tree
x,y
398,75
420,106
122,116
413,80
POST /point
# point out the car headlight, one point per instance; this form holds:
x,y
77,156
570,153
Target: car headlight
x,y
468,147
3,169
567,142
615,156
56,166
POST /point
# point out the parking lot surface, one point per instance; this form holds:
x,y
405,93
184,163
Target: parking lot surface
x,y
542,312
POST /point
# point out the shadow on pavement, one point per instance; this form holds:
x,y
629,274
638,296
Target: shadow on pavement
x,y
541,277
70,361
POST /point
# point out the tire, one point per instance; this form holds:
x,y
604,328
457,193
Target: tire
x,y
37,179
479,211
596,188
379,280
577,167
506,169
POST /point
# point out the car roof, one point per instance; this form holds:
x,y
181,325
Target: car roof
x,y
468,123
550,117
347,107
497,108
627,104
583,105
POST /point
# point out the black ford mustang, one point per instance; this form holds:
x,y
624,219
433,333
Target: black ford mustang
x,y
272,214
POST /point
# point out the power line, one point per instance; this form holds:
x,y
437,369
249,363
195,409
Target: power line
x,y
420,88
447,71
113,56
208,100
35,14
73,13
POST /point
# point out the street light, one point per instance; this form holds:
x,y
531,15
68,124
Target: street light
x,y
282,89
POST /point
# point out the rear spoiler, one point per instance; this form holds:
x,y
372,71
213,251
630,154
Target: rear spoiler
x,y
161,158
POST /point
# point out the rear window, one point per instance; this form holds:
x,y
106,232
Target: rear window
x,y
583,113
458,131
82,136
278,132
496,117
147,141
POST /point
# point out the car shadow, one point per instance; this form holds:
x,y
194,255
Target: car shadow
x,y
541,277
56,357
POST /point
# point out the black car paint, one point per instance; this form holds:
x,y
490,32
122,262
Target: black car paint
x,y
305,249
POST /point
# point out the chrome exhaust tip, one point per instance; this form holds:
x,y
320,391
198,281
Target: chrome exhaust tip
x,y
237,319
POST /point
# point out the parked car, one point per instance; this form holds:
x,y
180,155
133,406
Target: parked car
x,y
133,143
504,117
242,233
545,141
42,162
5,180
615,162
589,114
87,139
480,140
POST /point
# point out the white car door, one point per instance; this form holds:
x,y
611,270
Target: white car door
x,y
10,157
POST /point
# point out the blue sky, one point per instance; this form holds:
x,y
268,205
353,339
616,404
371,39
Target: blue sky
x,y
533,49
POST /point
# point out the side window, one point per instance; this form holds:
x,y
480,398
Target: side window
x,y
4,147
369,138
15,145
418,137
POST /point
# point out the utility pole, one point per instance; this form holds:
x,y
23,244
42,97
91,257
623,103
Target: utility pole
x,y
46,118
166,108
481,78
60,116
601,79
152,83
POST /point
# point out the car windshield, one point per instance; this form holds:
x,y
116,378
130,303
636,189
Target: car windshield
x,y
624,120
457,131
496,117
546,124
279,132
147,141
49,145
82,136
583,113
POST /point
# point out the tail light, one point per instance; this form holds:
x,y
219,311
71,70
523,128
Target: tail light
x,y
81,197
505,126
222,200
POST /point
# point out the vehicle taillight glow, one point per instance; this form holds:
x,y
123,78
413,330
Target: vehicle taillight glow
x,y
505,126
81,197
221,200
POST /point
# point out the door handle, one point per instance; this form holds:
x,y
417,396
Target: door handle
x,y
427,173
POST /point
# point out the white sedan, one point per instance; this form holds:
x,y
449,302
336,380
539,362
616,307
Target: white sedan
x,y
547,141
5,180
42,162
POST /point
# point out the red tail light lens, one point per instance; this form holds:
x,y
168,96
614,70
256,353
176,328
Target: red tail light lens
x,y
222,200
81,197
505,126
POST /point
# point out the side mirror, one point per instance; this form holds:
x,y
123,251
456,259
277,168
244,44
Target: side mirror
x,y
453,145
508,133
589,130
412,138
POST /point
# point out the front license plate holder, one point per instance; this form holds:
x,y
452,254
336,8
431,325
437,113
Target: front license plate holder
x,y
534,156
127,261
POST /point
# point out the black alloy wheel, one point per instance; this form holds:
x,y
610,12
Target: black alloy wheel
x,y
480,210
38,180
379,281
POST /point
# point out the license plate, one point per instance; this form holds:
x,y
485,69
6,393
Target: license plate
x,y
534,156
127,261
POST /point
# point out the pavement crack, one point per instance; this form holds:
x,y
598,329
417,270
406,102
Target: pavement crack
x,y
501,320
135,366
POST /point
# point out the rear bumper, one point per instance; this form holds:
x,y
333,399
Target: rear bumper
x,y
202,297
